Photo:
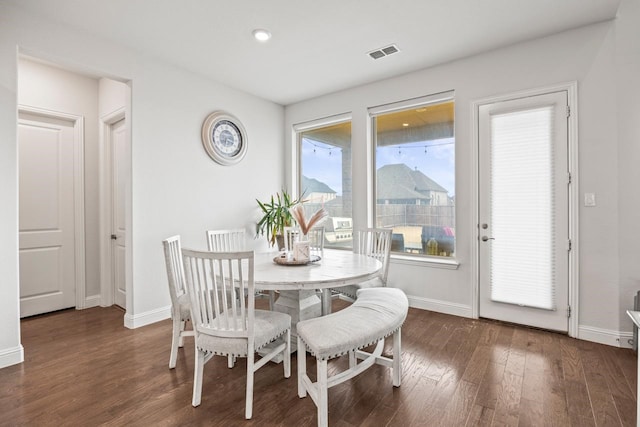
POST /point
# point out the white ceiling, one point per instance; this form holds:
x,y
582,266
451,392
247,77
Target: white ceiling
x,y
318,46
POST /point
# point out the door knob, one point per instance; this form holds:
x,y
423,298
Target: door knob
x,y
485,238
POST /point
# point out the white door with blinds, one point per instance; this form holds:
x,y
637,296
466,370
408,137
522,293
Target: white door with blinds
x,y
524,211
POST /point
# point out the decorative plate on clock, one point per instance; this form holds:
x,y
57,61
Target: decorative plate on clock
x,y
224,138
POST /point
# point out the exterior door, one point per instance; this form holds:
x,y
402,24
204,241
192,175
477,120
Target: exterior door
x,y
46,214
524,211
118,234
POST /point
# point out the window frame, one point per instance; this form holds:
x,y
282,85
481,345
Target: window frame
x,y
372,114
297,130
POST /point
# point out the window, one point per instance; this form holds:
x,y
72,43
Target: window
x,y
415,174
325,176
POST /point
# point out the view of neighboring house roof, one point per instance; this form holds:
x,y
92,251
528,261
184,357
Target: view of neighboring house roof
x,y
424,183
395,182
400,178
388,190
312,185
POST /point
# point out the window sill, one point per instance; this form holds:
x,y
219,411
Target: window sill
x,y
448,264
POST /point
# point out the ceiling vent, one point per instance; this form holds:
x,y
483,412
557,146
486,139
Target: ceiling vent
x,y
384,51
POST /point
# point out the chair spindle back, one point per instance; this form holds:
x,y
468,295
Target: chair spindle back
x,y
226,240
175,270
221,288
376,243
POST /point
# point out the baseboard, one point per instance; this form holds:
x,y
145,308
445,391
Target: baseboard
x,y
587,333
92,301
605,336
440,306
147,318
11,356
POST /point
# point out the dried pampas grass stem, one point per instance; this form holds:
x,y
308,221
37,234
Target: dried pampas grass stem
x,y
297,212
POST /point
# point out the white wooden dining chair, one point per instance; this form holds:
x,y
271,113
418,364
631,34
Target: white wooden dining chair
x,y
180,305
228,329
291,236
226,240
234,240
372,242
316,241
315,237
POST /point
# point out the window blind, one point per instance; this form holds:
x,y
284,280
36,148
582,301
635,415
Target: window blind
x,y
522,208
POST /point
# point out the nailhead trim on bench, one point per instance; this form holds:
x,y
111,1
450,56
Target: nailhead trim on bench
x,y
322,334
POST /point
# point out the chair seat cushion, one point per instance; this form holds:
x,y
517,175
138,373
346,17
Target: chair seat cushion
x,y
268,326
376,314
352,290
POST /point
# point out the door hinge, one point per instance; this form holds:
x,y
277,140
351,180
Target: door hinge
x,y
114,237
568,311
568,177
568,111
569,245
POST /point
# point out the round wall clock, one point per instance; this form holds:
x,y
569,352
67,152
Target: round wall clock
x,y
224,138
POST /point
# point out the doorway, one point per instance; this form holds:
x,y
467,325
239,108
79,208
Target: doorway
x,y
525,221
51,211
62,183
116,149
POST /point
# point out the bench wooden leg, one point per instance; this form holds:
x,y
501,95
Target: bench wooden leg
x,y
397,359
302,369
319,390
323,394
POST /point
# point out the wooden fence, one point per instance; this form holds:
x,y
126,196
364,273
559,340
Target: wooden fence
x,y
400,215
414,215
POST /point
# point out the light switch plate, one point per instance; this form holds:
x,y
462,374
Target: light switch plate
x,y
589,199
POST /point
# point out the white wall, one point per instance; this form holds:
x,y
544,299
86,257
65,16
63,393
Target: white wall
x,y
628,114
608,139
112,96
176,188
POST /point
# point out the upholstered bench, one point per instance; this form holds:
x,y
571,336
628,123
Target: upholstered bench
x,y
376,314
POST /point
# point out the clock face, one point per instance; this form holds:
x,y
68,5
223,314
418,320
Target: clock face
x,y
227,138
224,138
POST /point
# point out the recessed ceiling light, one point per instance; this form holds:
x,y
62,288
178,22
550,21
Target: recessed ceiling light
x,y
405,125
261,35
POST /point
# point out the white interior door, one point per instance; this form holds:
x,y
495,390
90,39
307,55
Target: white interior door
x,y
524,211
118,235
46,214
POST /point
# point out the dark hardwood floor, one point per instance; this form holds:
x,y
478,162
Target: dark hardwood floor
x,y
83,368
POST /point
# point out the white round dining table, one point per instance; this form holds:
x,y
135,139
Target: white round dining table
x,y
297,285
335,268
